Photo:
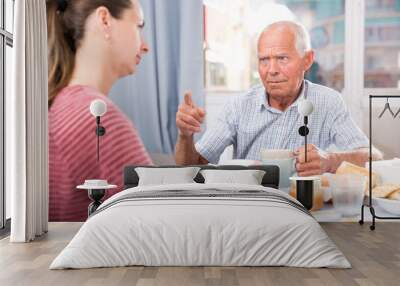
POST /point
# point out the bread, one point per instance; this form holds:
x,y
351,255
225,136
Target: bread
x,y
318,195
395,195
324,181
385,191
349,168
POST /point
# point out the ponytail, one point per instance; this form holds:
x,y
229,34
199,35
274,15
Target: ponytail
x,y
61,54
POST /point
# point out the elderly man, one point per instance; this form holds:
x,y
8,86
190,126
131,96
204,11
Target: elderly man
x,y
266,117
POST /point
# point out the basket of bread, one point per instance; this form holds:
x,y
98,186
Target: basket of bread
x,y
385,185
386,193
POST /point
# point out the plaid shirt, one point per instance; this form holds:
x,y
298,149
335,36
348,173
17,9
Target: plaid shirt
x,y
250,124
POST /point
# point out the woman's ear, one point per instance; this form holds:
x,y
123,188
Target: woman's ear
x,y
308,60
104,19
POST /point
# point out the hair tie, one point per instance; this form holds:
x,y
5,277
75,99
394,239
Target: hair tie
x,y
61,5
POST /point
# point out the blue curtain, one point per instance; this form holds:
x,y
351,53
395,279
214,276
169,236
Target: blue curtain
x,y
150,98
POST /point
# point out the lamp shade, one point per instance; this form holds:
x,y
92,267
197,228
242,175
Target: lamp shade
x,y
305,107
98,107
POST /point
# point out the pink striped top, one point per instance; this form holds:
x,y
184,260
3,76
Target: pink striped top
x,y
73,153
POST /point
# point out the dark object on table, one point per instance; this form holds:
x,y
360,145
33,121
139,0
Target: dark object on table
x,y
304,193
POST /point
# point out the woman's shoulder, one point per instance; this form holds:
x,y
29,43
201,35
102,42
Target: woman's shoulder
x,y
75,96
71,110
74,102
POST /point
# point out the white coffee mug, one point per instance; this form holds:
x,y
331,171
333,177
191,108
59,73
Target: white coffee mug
x,y
282,158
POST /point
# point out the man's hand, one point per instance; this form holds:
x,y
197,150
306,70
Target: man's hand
x,y
318,161
189,117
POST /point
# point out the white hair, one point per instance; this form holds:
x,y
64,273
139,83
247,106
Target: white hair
x,y
302,37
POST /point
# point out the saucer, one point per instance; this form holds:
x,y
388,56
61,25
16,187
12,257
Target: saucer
x,y
96,185
310,178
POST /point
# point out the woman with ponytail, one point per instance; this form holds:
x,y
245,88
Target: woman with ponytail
x,y
91,44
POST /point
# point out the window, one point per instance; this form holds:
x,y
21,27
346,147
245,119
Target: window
x,y
325,21
6,44
382,44
9,15
231,33
227,45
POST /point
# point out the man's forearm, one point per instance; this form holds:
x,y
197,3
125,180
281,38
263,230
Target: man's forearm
x,y
185,152
358,157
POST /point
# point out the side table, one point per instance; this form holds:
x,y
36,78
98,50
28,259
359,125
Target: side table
x,y
96,191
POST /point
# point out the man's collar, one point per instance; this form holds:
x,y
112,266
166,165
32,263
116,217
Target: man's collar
x,y
263,99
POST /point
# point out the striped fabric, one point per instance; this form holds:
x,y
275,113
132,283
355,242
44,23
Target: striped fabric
x,y
249,124
72,151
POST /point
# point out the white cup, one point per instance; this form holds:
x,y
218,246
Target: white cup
x,y
282,158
